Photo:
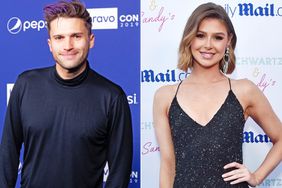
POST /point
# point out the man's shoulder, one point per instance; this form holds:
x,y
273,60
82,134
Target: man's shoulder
x,y
33,76
34,73
105,84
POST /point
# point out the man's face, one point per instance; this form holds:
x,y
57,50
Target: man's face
x,y
69,43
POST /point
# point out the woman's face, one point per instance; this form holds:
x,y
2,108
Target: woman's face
x,y
210,43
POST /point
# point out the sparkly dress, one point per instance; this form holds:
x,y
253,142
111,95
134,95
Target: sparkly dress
x,y
202,151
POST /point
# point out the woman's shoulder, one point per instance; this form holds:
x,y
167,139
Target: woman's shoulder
x,y
243,85
165,94
166,90
246,91
164,97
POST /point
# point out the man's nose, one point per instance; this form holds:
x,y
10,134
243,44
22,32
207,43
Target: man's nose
x,y
68,45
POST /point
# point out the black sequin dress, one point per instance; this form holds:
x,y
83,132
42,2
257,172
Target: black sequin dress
x,y
202,151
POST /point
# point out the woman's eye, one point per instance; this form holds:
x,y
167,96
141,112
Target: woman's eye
x,y
199,35
218,37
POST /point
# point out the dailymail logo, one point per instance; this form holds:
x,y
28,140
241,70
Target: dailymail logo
x,y
104,18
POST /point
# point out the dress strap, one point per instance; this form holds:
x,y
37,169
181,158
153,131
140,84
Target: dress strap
x,y
229,83
178,88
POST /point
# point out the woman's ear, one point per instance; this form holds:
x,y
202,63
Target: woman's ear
x,y
229,39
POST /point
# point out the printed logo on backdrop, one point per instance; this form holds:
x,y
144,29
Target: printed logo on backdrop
x,y
16,25
102,18
150,148
157,14
134,176
9,90
263,80
132,99
147,125
172,75
253,10
251,137
107,18
277,182
20,168
259,61
129,20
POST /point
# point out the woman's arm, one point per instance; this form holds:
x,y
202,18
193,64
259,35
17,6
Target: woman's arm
x,y
161,104
260,110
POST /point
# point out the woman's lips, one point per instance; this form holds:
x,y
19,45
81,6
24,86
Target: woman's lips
x,y
207,55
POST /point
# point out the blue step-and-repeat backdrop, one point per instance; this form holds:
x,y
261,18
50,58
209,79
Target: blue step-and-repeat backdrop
x,y
116,54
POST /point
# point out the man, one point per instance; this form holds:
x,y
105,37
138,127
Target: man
x,y
70,119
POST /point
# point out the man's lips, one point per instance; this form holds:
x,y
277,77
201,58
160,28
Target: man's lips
x,y
68,55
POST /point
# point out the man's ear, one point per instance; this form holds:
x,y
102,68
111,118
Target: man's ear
x,y
92,40
49,44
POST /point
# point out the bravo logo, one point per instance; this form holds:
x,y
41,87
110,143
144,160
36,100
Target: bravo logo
x,y
16,25
134,178
104,18
109,18
129,20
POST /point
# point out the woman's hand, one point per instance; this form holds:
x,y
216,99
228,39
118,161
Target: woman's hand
x,y
240,174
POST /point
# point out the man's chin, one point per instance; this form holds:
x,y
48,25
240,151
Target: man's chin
x,y
72,67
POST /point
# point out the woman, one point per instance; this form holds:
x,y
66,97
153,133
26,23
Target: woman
x,y
199,122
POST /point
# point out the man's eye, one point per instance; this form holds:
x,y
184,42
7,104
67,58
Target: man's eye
x,y
58,38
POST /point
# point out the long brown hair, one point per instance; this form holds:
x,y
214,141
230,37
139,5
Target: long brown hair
x,y
208,10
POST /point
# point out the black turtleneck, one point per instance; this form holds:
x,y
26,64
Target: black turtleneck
x,y
74,81
69,129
